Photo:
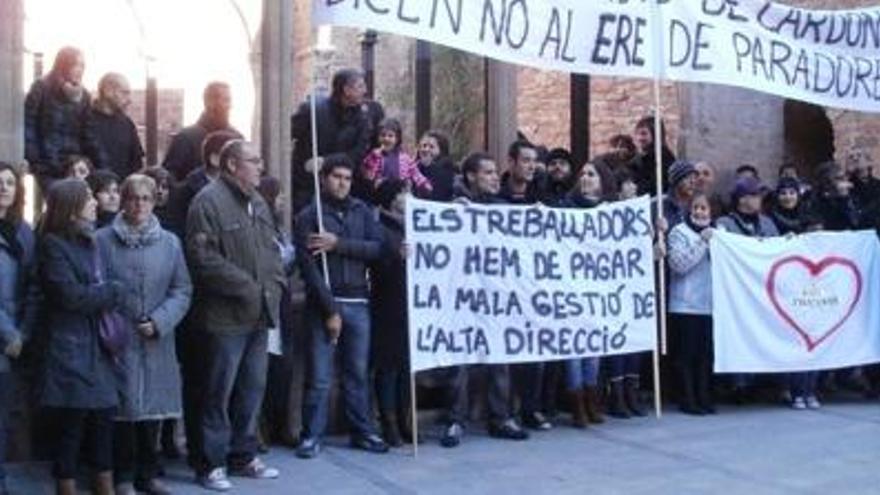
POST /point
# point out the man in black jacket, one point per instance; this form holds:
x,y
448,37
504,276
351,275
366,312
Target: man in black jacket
x,y
482,182
338,306
345,125
119,147
185,151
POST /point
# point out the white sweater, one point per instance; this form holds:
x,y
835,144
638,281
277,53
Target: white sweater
x,y
690,280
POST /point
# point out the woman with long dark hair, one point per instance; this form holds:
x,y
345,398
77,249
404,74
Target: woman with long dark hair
x,y
55,118
595,185
78,383
19,292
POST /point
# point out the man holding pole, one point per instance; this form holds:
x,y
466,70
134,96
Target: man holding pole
x,y
343,231
343,124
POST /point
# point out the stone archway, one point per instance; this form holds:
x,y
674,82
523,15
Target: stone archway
x,y
809,136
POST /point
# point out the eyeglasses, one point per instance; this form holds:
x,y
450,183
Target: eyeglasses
x,y
140,199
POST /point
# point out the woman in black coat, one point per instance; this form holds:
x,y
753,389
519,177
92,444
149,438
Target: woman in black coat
x,y
435,164
833,206
78,382
390,344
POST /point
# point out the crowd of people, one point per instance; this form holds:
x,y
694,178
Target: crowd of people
x,y
148,294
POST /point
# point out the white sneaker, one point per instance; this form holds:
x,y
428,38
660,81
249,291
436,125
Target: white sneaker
x,y
256,470
798,403
216,480
813,402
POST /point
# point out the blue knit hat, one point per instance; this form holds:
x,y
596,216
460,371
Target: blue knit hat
x,y
679,171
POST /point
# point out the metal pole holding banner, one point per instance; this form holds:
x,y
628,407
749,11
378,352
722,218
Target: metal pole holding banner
x,y
317,182
661,236
414,406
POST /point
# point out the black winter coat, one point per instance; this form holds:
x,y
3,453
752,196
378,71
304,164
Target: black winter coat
x,y
54,128
441,175
836,213
118,145
340,130
78,373
180,198
185,151
389,302
644,171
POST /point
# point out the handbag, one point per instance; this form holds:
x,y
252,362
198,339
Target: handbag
x,y
113,328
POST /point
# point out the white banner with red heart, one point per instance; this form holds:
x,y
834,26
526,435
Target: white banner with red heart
x,y
809,302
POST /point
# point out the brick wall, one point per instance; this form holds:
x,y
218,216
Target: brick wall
x,y
616,104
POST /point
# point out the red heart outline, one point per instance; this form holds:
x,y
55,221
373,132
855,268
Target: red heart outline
x,y
814,269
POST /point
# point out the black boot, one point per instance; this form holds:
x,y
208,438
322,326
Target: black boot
x,y
631,392
617,405
404,425
169,446
688,402
704,388
390,431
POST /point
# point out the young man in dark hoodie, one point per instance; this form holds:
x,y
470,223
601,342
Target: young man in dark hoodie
x,y
480,175
338,310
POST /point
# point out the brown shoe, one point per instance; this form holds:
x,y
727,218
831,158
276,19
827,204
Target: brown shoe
x,y
66,487
578,413
591,405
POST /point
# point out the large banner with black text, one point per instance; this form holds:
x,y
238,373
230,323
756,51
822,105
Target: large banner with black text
x,y
509,284
810,302
829,58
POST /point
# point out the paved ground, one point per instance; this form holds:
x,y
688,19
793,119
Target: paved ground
x,y
752,450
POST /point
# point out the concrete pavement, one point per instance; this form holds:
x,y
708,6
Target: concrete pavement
x,y
751,450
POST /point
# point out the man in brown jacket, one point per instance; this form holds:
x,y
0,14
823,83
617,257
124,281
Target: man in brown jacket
x,y
237,269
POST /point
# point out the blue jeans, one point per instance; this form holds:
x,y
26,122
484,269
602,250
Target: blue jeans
x,y
580,373
529,381
803,384
5,398
354,343
233,393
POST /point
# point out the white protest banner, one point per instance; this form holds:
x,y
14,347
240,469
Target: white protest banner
x,y
505,283
829,58
810,302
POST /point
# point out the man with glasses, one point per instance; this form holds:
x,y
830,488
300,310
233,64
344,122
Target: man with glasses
x,y
238,274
